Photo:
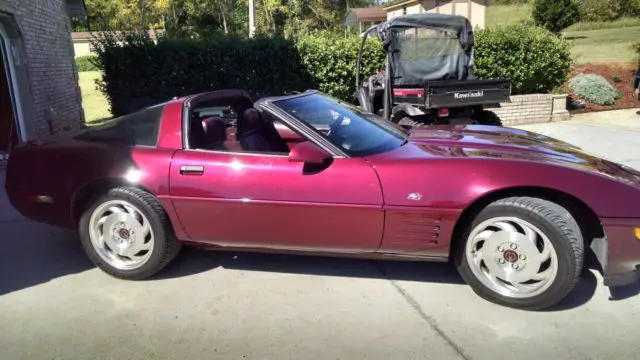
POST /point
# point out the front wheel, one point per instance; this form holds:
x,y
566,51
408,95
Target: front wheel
x,y
522,252
127,234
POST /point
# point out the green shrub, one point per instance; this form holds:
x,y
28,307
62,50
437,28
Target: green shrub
x,y
536,60
330,59
608,10
594,88
601,10
87,63
617,79
556,15
619,95
508,2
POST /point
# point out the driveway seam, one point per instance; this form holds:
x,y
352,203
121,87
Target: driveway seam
x,y
14,221
428,319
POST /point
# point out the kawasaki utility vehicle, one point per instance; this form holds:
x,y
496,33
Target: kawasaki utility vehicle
x,y
429,75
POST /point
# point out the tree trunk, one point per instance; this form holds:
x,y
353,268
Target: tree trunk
x,y
224,17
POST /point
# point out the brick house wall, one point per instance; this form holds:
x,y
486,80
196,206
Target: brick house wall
x,y
39,33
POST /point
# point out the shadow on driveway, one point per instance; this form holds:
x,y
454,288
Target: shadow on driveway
x,y
32,254
193,261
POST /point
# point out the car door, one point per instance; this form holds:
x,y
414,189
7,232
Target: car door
x,y
265,201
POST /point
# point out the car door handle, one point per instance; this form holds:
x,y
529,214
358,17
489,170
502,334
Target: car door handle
x,y
191,170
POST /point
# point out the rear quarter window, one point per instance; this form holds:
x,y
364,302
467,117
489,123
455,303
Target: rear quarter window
x,y
140,128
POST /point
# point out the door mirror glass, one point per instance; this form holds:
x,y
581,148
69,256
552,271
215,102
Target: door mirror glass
x,y
308,153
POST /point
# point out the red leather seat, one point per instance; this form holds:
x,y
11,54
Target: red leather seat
x,y
215,133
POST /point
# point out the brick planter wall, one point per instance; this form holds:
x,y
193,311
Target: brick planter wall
x,y
533,108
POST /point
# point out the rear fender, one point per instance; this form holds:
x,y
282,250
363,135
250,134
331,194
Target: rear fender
x,y
406,108
362,97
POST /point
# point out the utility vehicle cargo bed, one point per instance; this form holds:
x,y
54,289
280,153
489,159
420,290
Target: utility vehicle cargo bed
x,y
448,93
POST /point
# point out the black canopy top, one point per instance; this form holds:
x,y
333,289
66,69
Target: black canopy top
x,y
457,24
417,56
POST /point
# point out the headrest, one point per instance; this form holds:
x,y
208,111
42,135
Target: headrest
x,y
214,129
252,118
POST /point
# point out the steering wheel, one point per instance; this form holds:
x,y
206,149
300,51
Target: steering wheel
x,y
336,126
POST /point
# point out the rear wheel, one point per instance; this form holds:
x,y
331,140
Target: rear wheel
x,y
522,252
408,122
486,117
127,234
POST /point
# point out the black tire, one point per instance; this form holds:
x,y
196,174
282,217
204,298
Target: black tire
x,y
563,233
486,117
408,122
166,245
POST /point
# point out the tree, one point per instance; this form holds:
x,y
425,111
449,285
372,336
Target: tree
x,y
202,18
556,15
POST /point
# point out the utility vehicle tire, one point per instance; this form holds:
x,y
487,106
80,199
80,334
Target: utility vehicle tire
x,y
486,117
407,121
521,252
127,234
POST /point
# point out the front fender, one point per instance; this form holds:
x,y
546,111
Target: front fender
x,y
456,183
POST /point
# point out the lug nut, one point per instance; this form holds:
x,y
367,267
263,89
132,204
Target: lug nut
x,y
501,261
523,257
500,248
515,266
514,246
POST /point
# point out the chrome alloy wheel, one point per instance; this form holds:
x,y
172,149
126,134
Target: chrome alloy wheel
x,y
121,235
512,257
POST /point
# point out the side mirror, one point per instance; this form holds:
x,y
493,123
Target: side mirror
x,y
307,152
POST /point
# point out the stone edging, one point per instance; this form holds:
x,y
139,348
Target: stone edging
x,y
533,108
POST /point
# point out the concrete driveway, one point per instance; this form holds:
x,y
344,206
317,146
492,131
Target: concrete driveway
x,y
614,135
55,305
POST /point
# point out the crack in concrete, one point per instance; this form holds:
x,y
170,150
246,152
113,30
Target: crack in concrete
x,y
428,319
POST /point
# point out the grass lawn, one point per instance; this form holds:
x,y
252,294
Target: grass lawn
x,y
500,15
593,41
95,104
606,45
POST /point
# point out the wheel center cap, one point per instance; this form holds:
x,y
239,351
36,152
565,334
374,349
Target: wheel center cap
x,y
511,256
124,234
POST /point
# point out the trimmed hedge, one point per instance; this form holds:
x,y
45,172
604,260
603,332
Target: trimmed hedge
x,y
536,60
331,60
139,71
87,63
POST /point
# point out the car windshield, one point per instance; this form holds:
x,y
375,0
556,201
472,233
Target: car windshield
x,y
356,132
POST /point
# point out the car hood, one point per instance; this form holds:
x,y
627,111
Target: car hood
x,y
477,141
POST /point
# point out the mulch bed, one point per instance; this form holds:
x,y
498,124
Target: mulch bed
x,y
608,71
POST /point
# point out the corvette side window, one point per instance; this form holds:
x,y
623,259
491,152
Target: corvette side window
x,y
227,128
140,128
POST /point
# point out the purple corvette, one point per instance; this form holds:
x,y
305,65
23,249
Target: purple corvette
x,y
515,212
